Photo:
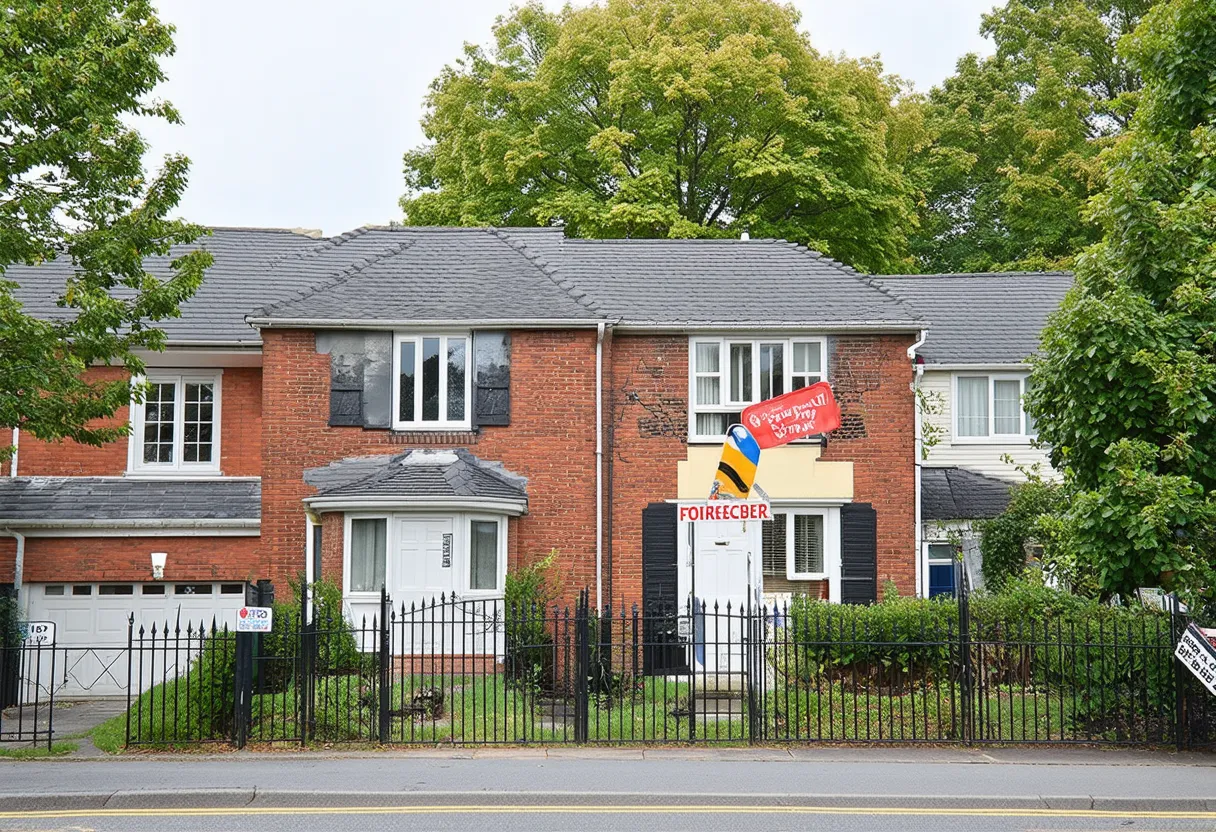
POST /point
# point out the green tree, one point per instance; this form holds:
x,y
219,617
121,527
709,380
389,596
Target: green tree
x,y
668,118
1016,137
1125,388
72,72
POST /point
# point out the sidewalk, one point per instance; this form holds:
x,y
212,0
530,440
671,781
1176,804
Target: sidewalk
x,y
993,778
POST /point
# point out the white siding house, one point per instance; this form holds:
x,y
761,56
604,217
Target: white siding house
x,y
972,372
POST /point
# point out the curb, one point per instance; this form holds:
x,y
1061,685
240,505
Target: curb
x,y
298,800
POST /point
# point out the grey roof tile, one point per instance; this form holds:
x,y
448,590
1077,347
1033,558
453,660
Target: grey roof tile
x,y
418,474
960,494
253,267
993,318
42,499
708,282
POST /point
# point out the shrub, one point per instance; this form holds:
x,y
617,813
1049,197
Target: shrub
x,y
1029,635
528,594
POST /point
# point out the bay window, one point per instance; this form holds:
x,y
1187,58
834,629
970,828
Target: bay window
x,y
728,374
432,387
988,407
176,429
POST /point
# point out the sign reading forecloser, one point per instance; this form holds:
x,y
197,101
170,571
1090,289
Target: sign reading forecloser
x,y
717,510
807,411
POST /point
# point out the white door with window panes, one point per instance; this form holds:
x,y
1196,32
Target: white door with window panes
x,y
443,573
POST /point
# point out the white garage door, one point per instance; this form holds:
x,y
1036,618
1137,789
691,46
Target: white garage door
x,y
91,628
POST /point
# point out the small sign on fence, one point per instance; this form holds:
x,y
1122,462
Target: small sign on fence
x,y
1197,653
37,633
254,619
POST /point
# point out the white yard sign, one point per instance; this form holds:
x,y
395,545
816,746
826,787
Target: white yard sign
x,y
38,633
254,619
1197,653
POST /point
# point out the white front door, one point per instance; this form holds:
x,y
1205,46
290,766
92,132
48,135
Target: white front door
x,y
424,560
718,577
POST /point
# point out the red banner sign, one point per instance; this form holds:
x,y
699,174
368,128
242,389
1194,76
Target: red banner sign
x,y
808,411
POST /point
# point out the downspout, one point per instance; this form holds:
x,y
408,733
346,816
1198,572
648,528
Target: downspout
x,y
12,470
19,563
918,448
599,466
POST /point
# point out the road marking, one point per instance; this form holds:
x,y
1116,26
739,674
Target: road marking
x,y
482,809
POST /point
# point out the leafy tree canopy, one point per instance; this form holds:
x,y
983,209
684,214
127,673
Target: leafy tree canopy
x,y
1125,388
72,73
669,118
1016,137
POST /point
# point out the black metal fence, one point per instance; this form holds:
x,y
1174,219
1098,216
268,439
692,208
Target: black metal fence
x,y
473,672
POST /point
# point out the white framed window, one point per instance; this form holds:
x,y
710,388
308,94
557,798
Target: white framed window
x,y
988,408
797,543
433,381
487,555
728,374
176,429
368,554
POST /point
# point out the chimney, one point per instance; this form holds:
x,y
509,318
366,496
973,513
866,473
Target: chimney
x,y
745,236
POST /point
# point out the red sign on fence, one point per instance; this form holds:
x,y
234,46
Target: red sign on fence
x,y
808,411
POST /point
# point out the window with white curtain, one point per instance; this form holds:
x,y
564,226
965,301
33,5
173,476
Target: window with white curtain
x,y
990,407
728,374
368,553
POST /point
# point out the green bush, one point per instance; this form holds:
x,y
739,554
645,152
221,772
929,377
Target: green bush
x,y
527,597
1028,636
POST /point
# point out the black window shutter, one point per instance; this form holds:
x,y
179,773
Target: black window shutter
x,y
858,553
662,651
491,378
347,356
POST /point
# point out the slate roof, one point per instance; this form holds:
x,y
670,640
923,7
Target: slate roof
x,y
421,474
959,494
253,267
439,274
708,282
991,318
26,501
450,274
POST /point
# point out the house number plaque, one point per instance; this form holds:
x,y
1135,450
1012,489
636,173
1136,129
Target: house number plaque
x,y
447,551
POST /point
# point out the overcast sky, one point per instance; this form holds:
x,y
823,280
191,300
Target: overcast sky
x,y
297,111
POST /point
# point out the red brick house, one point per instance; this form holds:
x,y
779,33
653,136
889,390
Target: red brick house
x,y
422,407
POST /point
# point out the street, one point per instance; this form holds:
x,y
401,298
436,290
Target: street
x,y
668,789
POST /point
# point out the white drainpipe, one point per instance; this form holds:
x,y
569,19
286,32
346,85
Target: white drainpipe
x,y
918,446
599,467
19,564
12,470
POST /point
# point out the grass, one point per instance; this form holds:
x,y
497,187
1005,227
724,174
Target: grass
x,y
37,752
474,709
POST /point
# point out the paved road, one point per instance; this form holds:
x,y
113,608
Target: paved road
x,y
817,789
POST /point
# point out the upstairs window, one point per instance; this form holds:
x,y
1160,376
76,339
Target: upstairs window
x,y
989,407
728,374
432,389
177,427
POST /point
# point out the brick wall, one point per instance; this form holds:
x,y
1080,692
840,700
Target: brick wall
x,y
550,440
240,435
127,558
871,377
649,409
8,559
